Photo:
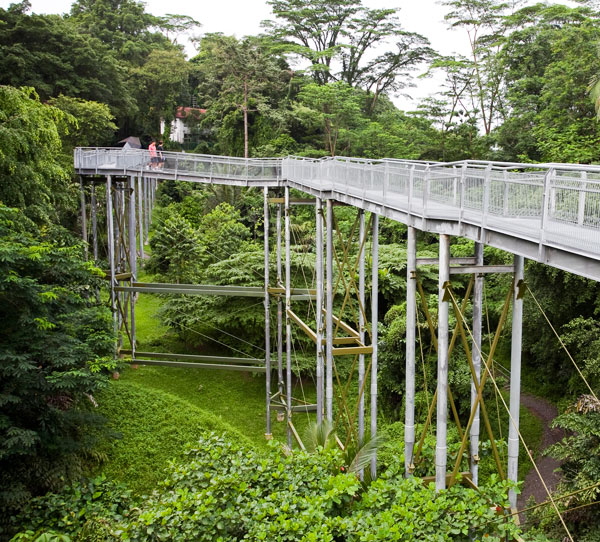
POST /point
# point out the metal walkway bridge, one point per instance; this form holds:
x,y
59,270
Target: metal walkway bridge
x,y
545,212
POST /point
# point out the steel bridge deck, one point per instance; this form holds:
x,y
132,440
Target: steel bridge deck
x,y
549,213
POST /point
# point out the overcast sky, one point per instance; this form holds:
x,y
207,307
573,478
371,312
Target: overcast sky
x,y
243,17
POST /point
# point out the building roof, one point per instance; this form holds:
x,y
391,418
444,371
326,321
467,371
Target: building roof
x,y
185,112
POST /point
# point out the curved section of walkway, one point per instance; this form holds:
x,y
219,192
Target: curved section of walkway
x,y
545,212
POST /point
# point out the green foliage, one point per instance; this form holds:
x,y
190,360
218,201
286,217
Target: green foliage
x,y
49,53
87,511
579,453
223,491
152,427
94,126
176,250
32,177
55,341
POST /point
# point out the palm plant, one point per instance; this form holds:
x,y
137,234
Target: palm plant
x,y
357,455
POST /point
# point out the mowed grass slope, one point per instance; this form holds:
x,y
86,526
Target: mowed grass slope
x,y
151,427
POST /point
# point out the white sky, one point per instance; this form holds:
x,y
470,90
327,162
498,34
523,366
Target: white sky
x,y
243,17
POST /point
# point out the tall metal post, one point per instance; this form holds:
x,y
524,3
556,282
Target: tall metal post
x,y
93,204
442,366
288,324
267,317
515,379
146,191
411,328
361,326
132,258
84,233
374,322
111,250
319,306
140,200
476,354
279,308
329,314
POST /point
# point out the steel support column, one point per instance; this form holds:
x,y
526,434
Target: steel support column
x,y
288,323
267,317
319,306
145,192
361,326
84,232
411,328
476,354
140,204
111,250
374,322
442,366
515,379
329,314
131,230
93,204
279,308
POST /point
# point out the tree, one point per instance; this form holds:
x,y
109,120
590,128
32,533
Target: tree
x,y
175,250
55,341
160,82
339,39
49,53
337,108
123,25
32,177
313,30
239,76
94,123
485,24
550,58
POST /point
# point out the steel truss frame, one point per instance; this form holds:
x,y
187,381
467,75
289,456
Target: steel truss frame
x,y
128,218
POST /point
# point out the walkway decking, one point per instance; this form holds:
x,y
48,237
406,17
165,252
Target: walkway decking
x,y
546,212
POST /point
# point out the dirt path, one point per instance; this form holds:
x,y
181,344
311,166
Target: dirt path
x,y
532,486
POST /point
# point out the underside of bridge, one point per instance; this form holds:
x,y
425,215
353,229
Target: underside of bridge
x,y
550,213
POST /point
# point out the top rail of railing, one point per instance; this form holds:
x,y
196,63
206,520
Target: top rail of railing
x,y
178,164
546,203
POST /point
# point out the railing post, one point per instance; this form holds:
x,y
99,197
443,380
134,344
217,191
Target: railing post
x,y
545,205
410,188
485,207
581,199
426,190
463,179
506,194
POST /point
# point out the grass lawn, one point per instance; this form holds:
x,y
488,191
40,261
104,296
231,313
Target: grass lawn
x,y
151,428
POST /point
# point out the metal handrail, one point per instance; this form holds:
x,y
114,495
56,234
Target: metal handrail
x,y
547,203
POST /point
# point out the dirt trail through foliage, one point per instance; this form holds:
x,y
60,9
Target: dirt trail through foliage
x,y
532,486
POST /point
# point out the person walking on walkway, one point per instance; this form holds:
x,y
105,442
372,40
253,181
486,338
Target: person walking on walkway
x,y
153,155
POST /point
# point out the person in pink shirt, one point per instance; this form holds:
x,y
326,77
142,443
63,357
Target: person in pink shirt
x,y
153,155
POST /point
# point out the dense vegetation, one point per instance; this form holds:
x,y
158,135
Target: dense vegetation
x,y
319,81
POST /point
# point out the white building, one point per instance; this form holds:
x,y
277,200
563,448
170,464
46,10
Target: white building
x,y
182,126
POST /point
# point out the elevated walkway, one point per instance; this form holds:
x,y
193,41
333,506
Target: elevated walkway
x,y
545,212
